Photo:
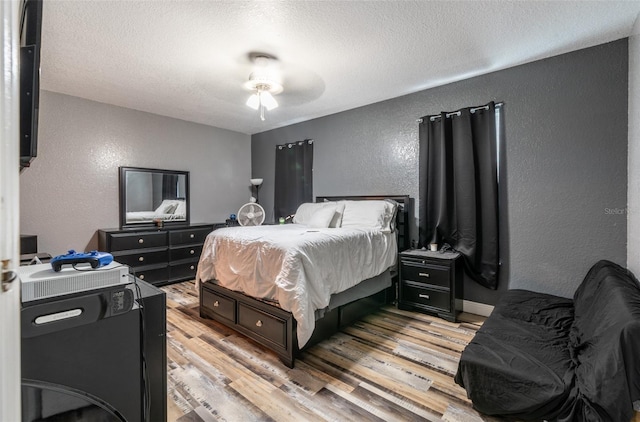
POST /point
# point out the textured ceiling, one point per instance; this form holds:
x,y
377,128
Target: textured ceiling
x,y
188,59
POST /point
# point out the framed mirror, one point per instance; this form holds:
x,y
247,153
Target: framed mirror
x,y
153,197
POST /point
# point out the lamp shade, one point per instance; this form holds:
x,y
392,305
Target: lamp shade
x,y
254,101
256,182
267,100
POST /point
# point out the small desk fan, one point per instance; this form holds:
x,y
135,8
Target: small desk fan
x,y
251,214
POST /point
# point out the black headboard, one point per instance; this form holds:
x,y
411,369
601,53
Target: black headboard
x,y
402,217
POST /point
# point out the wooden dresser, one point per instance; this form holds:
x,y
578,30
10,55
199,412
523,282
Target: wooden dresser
x,y
158,255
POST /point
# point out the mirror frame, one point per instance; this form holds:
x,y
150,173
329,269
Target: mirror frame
x,y
123,198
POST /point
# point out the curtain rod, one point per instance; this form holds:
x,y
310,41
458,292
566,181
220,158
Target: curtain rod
x,y
291,144
457,113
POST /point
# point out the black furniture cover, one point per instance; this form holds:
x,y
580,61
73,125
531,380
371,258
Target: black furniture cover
x,y
545,357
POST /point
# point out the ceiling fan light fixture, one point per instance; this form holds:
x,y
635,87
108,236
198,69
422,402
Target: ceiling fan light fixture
x,y
254,101
264,83
267,100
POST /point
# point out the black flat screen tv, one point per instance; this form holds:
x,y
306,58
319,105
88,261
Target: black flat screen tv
x,y
30,30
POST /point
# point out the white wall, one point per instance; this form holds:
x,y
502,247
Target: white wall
x,y
633,210
71,189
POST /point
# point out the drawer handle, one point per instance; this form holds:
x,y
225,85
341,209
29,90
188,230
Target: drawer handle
x,y
424,262
216,304
424,296
192,267
141,259
140,241
192,235
424,275
259,323
141,276
192,251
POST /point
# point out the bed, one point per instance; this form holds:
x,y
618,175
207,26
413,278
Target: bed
x,y
168,210
289,286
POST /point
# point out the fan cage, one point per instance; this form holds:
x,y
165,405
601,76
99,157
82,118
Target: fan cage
x,y
251,214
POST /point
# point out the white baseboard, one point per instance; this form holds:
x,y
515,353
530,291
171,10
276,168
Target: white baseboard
x,y
476,308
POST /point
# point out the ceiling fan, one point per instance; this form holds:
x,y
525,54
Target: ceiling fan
x,y
264,82
270,77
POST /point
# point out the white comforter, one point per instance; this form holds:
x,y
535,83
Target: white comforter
x,y
298,266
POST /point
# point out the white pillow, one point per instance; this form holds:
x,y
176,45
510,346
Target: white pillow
x,y
374,214
336,221
167,206
170,209
306,214
181,209
322,217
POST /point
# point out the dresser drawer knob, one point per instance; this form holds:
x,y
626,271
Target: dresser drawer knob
x,y
141,259
423,296
216,304
424,275
141,276
424,262
141,241
259,323
192,251
192,235
193,267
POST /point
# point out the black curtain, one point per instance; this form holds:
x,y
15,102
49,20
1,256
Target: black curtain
x,y
459,188
294,177
169,186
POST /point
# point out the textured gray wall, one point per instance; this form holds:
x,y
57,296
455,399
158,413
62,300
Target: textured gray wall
x,y
71,190
633,212
565,155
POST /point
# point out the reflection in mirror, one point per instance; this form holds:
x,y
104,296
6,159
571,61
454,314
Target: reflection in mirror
x,y
150,196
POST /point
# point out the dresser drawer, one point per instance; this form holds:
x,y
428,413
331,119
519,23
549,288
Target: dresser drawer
x,y
419,295
153,275
425,273
141,257
189,236
126,241
184,271
220,305
263,324
187,252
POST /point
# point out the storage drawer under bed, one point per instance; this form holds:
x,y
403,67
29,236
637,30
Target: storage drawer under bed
x,y
262,322
220,305
265,325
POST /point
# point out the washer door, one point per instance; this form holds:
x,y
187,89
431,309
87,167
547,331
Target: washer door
x,y
47,402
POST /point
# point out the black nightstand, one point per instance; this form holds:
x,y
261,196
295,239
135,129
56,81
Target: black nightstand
x,y
431,282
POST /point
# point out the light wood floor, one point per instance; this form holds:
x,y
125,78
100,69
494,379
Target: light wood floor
x,y
391,366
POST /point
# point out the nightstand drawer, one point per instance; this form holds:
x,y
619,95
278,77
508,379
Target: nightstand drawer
x,y
126,241
220,305
425,273
189,236
189,252
419,295
265,325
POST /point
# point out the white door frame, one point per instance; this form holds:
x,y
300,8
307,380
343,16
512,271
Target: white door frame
x,y
9,213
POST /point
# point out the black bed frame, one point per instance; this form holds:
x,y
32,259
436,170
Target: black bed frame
x,y
275,328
